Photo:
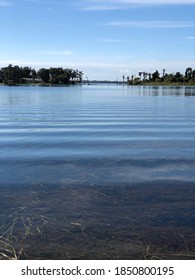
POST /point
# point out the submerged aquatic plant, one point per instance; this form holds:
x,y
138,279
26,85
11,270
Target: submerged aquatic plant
x,y
13,234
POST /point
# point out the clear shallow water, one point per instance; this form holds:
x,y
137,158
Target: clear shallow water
x,y
96,134
97,172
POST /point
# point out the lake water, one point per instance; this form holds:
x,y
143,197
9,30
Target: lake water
x,y
78,159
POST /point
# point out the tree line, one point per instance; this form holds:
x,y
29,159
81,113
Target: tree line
x,y
13,75
165,79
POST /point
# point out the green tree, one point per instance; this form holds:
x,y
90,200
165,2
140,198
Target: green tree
x,y
145,75
74,75
33,74
12,74
150,76
26,72
55,74
140,74
188,73
44,74
1,76
80,76
177,78
17,74
155,76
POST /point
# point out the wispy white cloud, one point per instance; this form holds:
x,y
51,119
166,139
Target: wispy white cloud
x,y
123,4
152,24
134,65
6,4
190,38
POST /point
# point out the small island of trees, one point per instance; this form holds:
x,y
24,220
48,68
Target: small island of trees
x,y
14,75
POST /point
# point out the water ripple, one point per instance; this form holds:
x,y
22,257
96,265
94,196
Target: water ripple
x,y
120,136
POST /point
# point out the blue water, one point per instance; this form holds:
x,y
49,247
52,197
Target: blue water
x,y
97,172
96,134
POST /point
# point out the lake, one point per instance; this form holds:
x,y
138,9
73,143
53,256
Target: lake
x,y
97,172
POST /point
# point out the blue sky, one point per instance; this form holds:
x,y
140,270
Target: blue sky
x,y
106,39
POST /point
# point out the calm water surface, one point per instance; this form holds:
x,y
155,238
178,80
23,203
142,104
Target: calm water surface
x,y
97,172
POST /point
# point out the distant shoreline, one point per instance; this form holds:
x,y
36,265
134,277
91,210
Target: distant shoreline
x,y
99,83
164,84
16,75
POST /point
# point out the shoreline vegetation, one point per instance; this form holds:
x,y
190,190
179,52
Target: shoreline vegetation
x,y
155,78
16,75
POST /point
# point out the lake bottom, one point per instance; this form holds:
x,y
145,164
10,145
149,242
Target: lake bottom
x,y
153,220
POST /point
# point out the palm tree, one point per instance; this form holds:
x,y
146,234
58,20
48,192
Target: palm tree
x,y
188,73
145,75
140,74
79,76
